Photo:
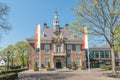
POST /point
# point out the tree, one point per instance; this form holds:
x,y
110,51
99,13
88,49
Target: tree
x,y
11,49
4,54
4,9
117,42
22,52
102,17
18,53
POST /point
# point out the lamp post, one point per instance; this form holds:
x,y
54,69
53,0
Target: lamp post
x,y
8,54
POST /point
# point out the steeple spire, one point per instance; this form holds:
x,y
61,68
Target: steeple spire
x,y
56,21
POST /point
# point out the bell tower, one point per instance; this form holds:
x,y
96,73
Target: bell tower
x,y
56,22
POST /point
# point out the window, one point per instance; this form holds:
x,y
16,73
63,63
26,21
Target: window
x,y
96,54
91,54
69,62
47,48
69,49
78,49
107,54
116,54
58,48
101,54
37,50
46,61
37,60
78,62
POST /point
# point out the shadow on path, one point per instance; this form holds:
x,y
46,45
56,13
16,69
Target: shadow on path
x,y
45,76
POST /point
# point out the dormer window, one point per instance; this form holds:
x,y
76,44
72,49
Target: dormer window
x,y
43,34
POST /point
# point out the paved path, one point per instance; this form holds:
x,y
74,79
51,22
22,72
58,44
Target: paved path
x,y
94,74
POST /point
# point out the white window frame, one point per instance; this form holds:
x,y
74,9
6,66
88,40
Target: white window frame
x,y
78,46
46,62
78,62
58,49
69,61
48,46
69,47
38,61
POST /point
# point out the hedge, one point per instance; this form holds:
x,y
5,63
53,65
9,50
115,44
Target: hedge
x,y
11,71
117,68
106,67
9,76
15,67
110,67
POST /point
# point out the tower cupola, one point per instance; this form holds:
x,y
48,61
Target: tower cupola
x,y
56,21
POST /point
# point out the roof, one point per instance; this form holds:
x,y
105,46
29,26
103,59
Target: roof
x,y
98,49
47,34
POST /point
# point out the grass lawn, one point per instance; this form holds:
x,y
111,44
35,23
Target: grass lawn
x,y
2,68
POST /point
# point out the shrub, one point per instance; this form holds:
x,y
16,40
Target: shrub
x,y
15,71
36,67
74,66
15,67
48,68
106,67
83,66
110,67
9,76
117,68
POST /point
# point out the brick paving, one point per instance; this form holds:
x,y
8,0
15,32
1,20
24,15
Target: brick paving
x,y
94,74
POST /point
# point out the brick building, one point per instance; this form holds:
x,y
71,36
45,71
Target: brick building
x,y
59,46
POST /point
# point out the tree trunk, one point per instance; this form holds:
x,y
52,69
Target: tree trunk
x,y
113,59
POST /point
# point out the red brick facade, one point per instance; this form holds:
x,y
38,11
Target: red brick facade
x,y
73,55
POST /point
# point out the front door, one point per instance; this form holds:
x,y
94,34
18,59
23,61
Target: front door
x,y
58,65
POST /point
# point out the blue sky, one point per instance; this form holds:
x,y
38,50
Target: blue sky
x,y
24,15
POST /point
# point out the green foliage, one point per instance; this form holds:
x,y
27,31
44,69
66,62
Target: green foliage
x,y
36,67
9,76
13,71
74,67
83,66
15,67
48,68
2,68
18,53
117,68
106,67
117,36
22,52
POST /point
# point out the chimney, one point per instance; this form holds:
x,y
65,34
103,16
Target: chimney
x,y
45,25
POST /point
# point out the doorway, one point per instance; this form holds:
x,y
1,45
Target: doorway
x,y
58,64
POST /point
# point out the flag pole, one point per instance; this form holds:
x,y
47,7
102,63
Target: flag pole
x,y
37,43
88,53
85,46
40,45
